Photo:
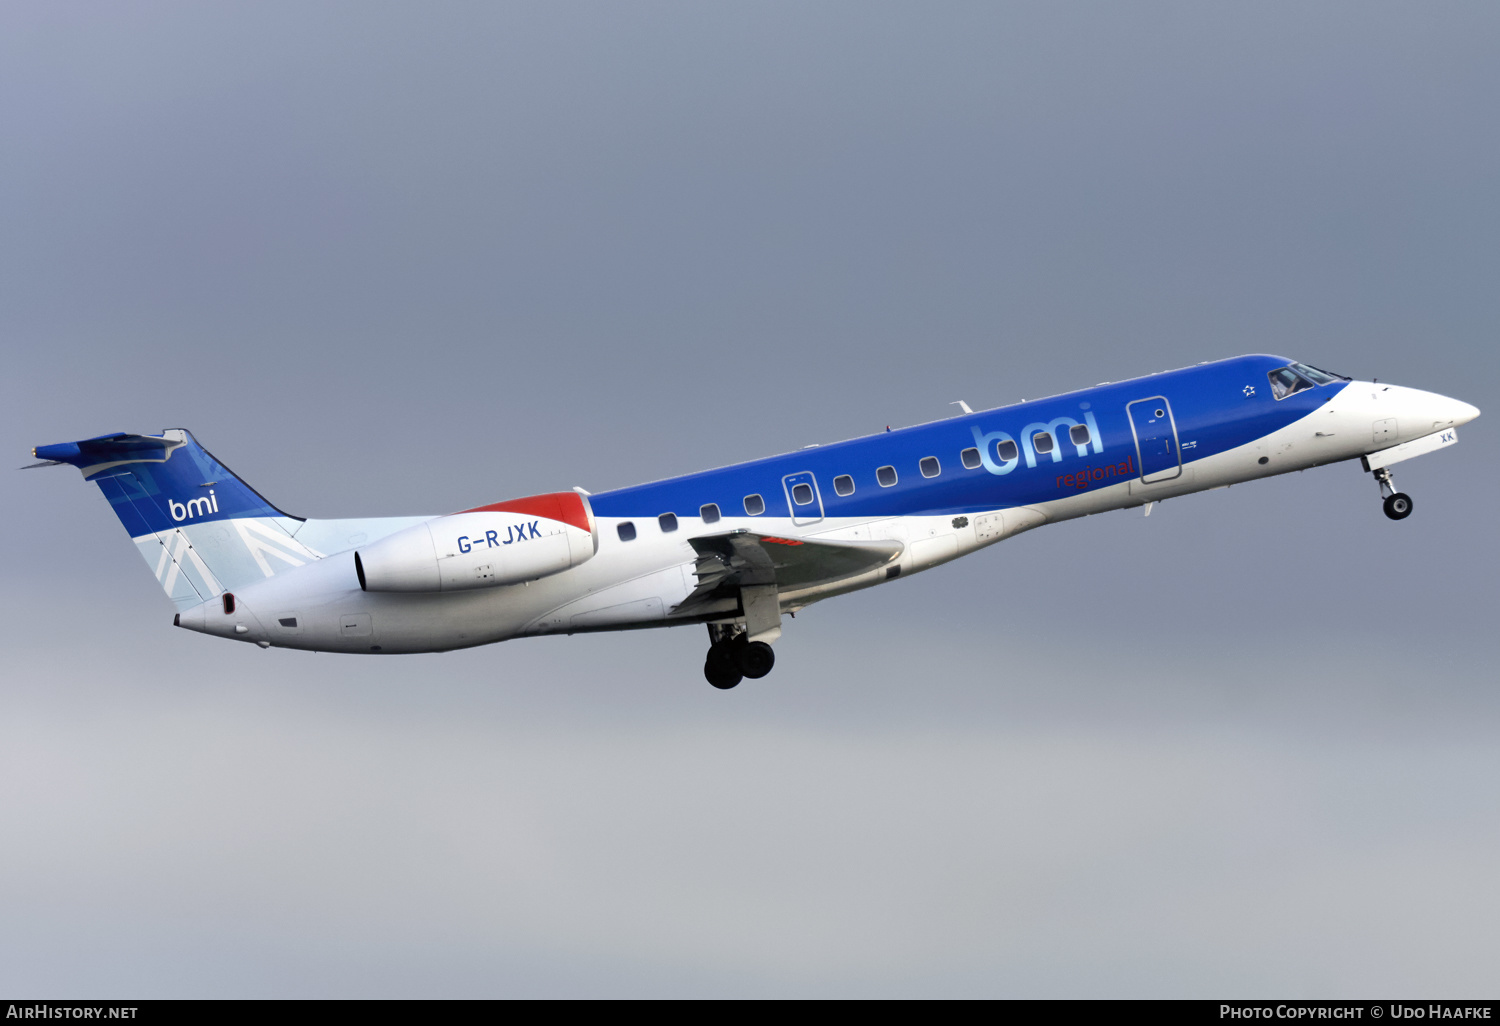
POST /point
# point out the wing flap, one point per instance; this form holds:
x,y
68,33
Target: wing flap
x,y
728,562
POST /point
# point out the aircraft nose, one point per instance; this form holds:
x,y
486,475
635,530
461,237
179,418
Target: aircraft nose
x,y
1463,412
1428,411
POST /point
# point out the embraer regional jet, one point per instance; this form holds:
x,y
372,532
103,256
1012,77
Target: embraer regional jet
x,y
737,547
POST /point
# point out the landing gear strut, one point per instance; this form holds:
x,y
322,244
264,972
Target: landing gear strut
x,y
732,657
1397,505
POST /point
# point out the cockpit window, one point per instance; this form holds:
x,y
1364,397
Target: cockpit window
x,y
1298,377
1318,377
1285,382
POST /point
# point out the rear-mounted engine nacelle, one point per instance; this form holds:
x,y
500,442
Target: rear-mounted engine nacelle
x,y
506,543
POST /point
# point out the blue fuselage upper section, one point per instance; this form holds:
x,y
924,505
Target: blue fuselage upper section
x,y
1193,413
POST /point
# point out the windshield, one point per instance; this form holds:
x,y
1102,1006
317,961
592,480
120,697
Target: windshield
x,y
1318,377
1285,382
1299,377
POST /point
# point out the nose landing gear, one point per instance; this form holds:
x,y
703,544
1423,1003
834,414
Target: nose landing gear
x,y
732,657
1397,505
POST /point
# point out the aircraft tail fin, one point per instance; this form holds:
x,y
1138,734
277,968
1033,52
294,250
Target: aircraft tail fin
x,y
202,530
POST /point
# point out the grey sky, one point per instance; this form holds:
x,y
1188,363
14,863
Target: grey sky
x,y
390,259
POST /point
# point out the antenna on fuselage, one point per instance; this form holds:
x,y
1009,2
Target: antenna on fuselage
x,y
961,405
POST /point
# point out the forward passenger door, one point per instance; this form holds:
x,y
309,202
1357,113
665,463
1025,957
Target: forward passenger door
x,y
1156,445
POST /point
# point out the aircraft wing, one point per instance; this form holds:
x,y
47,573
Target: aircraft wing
x,y
728,562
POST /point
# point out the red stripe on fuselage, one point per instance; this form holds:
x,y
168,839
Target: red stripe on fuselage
x,y
567,507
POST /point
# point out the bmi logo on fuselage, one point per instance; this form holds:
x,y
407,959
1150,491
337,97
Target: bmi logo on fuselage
x,y
1000,452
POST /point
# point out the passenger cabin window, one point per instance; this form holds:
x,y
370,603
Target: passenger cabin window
x,y
709,513
802,494
1007,450
843,484
755,505
1042,442
1079,433
886,476
1285,382
930,466
970,459
668,522
626,530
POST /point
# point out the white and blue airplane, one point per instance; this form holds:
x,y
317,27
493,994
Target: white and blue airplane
x,y
737,547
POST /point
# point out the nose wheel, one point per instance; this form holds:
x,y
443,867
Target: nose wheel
x,y
732,658
1397,505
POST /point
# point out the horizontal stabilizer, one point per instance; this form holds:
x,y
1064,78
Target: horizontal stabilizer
x,y
116,448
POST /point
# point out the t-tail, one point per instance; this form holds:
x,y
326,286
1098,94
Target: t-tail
x,y
201,529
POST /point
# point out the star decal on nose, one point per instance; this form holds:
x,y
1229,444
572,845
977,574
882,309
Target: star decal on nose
x,y
1249,391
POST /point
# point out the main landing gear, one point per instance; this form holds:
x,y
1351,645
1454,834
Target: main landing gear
x,y
733,657
1397,505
